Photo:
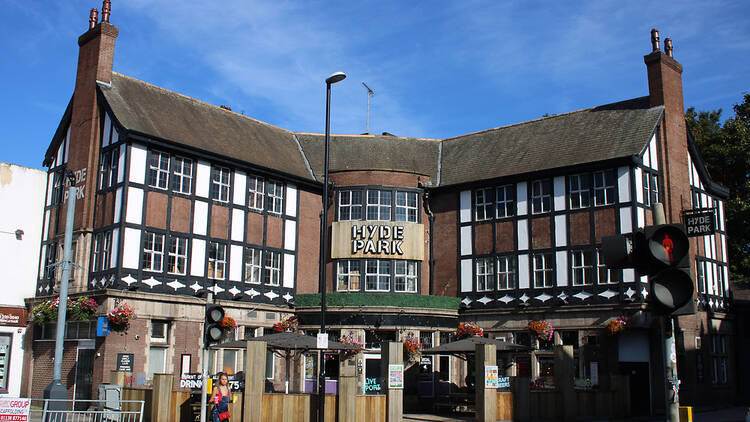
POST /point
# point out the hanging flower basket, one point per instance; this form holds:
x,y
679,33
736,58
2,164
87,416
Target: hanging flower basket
x,y
467,329
289,325
616,325
543,329
120,317
352,341
228,325
45,311
413,349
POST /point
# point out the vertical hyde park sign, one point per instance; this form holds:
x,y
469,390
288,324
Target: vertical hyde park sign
x,y
377,239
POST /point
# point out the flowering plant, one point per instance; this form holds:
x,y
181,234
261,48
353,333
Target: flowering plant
x,y
81,309
120,317
352,341
616,325
290,324
413,349
228,323
467,329
543,329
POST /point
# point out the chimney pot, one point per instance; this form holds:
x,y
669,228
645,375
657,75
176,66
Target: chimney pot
x,y
106,10
93,18
668,48
655,39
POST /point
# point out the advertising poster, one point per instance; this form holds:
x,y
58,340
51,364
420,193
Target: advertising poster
x,y
396,376
491,376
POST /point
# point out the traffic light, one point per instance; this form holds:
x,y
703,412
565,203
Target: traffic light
x,y
662,252
212,327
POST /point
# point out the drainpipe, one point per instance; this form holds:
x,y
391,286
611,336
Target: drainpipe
x,y
431,218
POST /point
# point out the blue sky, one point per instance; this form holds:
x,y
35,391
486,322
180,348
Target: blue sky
x,y
438,68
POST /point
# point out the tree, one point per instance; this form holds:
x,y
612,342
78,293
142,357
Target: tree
x,y
726,152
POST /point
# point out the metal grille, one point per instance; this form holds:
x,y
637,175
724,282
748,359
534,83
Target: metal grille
x,y
49,410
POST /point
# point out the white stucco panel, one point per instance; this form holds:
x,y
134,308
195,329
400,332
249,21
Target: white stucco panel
x,y
118,205
623,184
523,271
134,208
290,235
464,215
559,188
238,225
240,182
523,235
291,200
131,248
561,230
235,263
561,260
137,169
200,217
466,240
639,185
202,179
288,270
115,243
521,202
626,220
466,275
198,258
107,127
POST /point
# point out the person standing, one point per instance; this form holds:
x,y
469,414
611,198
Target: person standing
x,y
221,397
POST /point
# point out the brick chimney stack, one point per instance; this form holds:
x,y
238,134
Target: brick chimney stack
x,y
665,88
95,56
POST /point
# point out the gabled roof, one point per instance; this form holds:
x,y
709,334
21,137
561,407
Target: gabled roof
x,y
372,152
595,134
165,115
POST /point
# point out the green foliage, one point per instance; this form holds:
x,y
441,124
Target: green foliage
x,y
378,299
726,152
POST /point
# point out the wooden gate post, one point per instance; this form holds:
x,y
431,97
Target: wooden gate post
x,y
563,373
485,401
161,405
255,377
347,389
392,353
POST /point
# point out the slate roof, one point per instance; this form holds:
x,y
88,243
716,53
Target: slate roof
x,y
372,152
595,134
155,112
617,130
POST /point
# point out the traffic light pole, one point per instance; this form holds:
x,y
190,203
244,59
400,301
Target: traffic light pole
x,y
672,382
204,360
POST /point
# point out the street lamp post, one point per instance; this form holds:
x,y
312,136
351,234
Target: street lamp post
x,y
335,77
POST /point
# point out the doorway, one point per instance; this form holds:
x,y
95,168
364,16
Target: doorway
x,y
640,387
84,376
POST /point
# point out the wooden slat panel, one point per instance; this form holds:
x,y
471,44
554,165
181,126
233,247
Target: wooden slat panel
x,y
504,406
371,408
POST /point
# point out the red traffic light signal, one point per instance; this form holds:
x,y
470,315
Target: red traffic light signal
x,y
213,331
663,253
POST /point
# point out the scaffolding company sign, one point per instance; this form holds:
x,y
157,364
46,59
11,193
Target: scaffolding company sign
x,y
377,239
14,409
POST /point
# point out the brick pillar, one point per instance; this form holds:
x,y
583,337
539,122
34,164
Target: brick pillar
x,y
563,373
161,405
486,398
392,353
255,377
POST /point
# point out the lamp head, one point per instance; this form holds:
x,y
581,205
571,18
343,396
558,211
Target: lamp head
x,y
335,77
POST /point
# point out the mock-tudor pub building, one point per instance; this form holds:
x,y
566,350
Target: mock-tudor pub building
x,y
499,227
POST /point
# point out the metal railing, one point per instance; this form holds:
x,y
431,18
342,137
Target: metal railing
x,y
49,410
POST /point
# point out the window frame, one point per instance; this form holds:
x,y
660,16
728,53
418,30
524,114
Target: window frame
x,y
173,253
180,177
155,173
220,190
484,201
255,268
580,191
275,194
219,258
406,207
581,268
510,274
410,276
348,274
507,205
150,238
609,192
541,196
379,275
272,268
484,274
350,205
613,276
547,270
256,192
380,206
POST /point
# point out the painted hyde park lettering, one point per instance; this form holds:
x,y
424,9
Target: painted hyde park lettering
x,y
389,241
79,179
377,239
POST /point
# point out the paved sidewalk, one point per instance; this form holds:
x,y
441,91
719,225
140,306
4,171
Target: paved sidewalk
x,y
732,414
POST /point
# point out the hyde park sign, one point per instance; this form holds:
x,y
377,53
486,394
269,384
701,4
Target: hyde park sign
x,y
377,239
